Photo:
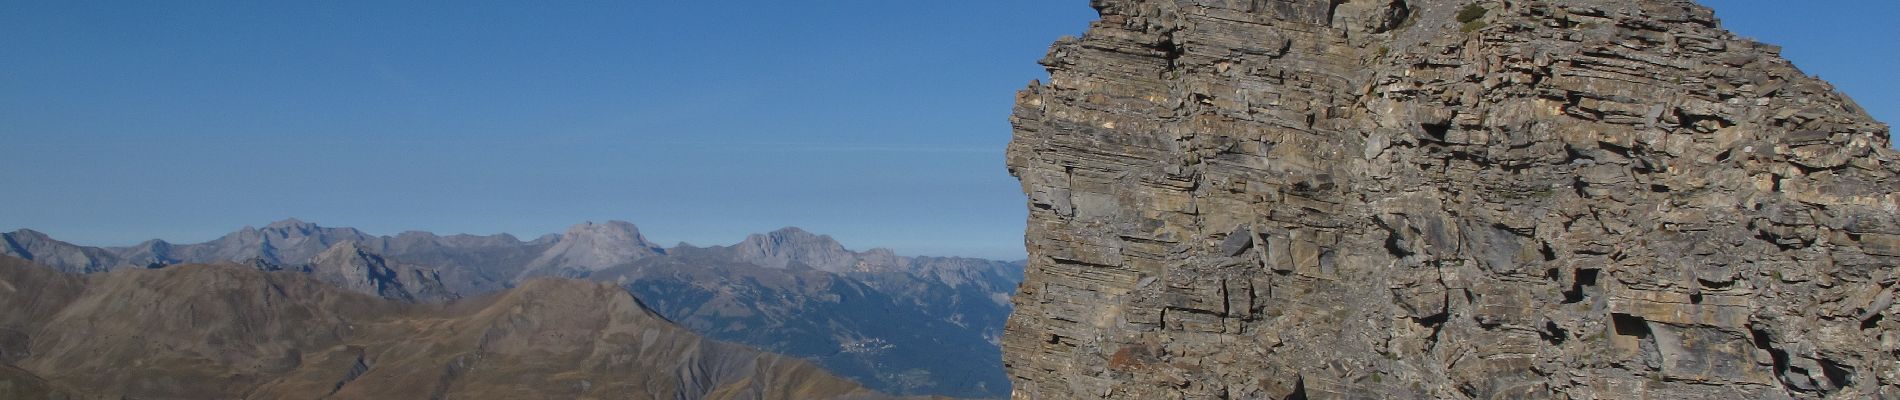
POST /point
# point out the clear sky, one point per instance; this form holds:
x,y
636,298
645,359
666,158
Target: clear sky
x,y
879,122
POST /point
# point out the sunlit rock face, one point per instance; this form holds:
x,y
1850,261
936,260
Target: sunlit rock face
x,y
1446,199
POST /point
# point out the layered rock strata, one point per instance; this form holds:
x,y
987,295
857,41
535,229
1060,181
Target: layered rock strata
x,y
1447,199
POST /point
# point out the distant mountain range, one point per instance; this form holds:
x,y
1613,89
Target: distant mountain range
x,y
233,331
907,325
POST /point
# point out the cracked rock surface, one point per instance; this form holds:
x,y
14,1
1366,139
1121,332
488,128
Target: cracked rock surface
x,y
1447,199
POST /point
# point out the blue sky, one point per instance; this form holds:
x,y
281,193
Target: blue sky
x,y
1850,43
879,122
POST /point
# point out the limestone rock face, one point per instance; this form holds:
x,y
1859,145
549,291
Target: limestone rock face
x,y
592,247
350,267
788,246
1447,199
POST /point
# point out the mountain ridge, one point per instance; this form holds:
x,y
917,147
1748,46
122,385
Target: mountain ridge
x,y
905,325
302,240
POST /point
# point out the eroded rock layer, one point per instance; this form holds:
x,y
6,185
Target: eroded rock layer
x,y
1447,199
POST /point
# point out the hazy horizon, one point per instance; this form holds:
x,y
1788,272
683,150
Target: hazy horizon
x,y
525,237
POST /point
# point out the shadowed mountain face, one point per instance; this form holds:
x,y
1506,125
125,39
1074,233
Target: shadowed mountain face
x,y
909,325
229,331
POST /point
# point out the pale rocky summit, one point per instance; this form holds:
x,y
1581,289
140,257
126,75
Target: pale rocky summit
x,y
592,247
792,246
1447,199
351,267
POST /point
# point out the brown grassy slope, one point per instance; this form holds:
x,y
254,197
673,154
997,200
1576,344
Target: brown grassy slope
x,y
209,331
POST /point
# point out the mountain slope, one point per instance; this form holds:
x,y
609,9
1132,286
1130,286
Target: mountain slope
x,y
788,246
204,331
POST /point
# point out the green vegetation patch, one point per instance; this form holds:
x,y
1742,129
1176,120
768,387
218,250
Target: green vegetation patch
x,y
1473,17
1472,12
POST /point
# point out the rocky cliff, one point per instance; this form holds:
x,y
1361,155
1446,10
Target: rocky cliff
x,y
1447,199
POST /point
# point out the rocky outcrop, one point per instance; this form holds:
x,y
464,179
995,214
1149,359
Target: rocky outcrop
x,y
786,247
287,242
33,245
350,267
592,247
198,331
1447,199
284,242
